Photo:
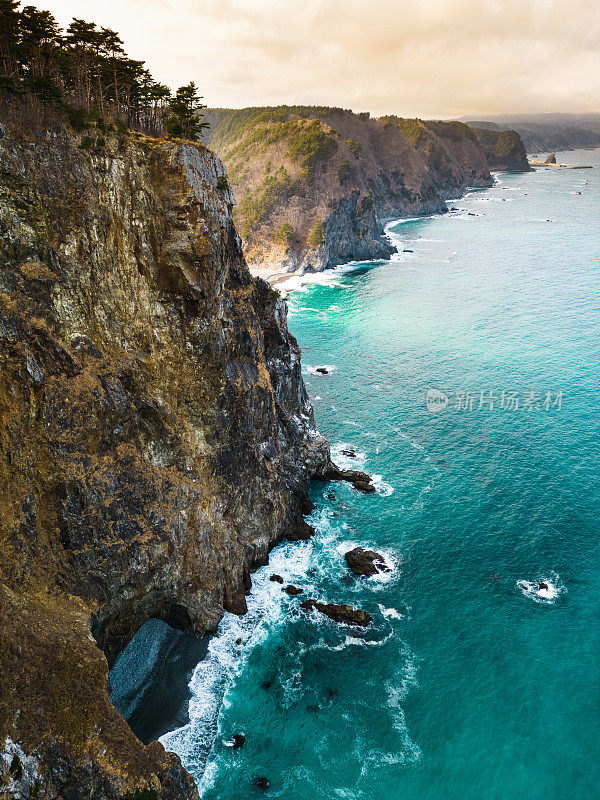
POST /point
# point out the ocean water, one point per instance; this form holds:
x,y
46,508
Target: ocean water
x,y
472,681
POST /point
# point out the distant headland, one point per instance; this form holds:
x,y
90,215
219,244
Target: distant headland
x,y
550,161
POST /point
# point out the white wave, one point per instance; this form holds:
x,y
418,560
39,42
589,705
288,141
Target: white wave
x,y
351,641
544,590
382,487
225,658
302,282
390,613
345,461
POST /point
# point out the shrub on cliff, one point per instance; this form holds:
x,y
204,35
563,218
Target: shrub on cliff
x,y
254,208
317,235
311,144
285,235
346,171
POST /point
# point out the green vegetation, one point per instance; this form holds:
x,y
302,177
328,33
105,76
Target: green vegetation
x,y
412,129
309,144
367,203
232,125
83,75
346,171
317,235
183,120
501,146
285,235
354,147
222,183
253,209
506,143
141,794
16,768
240,134
453,130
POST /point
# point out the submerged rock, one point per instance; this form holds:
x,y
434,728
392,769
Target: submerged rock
x,y
366,562
261,783
339,613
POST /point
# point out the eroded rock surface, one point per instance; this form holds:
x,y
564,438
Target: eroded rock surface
x,y
339,613
156,438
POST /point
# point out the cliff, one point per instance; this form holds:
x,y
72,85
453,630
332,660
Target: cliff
x,y
504,149
548,132
313,184
155,439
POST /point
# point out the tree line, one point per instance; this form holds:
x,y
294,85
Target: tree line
x,y
86,73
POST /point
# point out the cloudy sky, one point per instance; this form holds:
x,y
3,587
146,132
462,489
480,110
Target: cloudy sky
x,y
409,57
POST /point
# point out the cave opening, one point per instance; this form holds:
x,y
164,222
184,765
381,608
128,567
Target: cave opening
x,y
149,679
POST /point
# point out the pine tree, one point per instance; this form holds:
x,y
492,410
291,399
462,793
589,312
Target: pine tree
x,y
84,75
185,121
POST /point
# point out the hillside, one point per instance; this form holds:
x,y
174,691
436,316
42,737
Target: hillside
x,y
548,132
312,184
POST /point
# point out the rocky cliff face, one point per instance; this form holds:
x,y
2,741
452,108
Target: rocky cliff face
x,y
504,149
314,184
155,440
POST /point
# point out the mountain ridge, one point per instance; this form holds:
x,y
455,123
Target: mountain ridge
x,y
314,184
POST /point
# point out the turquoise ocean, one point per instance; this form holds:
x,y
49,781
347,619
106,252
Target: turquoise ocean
x,y
472,682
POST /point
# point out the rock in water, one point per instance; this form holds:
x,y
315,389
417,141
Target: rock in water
x,y
301,531
322,371
276,578
306,505
360,480
343,613
239,740
551,159
366,562
292,590
261,783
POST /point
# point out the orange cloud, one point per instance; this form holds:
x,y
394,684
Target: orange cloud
x,y
425,57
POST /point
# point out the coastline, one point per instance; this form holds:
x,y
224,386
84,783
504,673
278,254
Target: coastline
x,y
281,278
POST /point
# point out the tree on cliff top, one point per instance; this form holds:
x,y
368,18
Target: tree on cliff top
x,y
185,119
83,75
